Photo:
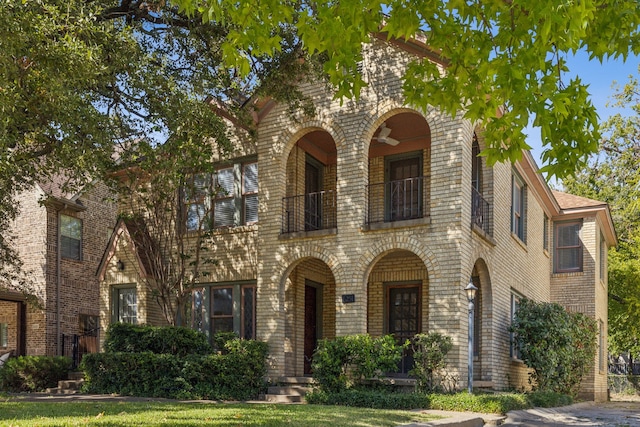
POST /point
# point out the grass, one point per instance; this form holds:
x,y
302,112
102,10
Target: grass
x,y
16,413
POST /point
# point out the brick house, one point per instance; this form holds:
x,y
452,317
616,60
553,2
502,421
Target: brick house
x,y
60,238
372,217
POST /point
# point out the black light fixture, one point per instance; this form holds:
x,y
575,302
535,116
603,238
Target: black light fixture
x,y
120,265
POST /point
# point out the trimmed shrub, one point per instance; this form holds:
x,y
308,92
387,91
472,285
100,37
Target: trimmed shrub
x,y
33,373
343,362
558,346
236,375
179,341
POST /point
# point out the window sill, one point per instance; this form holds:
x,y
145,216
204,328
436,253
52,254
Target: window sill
x,y
522,244
304,234
567,274
396,224
483,235
235,229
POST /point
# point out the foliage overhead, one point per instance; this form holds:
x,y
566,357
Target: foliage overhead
x,y
505,61
557,345
613,176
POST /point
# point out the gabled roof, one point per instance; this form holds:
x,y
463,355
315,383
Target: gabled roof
x,y
127,229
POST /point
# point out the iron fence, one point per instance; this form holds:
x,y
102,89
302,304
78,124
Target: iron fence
x,y
624,368
76,346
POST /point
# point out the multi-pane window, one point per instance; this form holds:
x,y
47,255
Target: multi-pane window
x,y
125,302
515,305
233,309
71,237
228,198
518,205
568,247
4,335
196,313
250,192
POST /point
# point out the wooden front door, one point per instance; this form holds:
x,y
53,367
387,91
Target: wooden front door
x,y
310,325
404,318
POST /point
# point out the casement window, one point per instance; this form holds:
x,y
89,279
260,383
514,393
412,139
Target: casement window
x,y
71,237
4,335
233,309
229,198
568,247
518,207
515,305
602,348
125,305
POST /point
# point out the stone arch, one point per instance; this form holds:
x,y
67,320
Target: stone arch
x,y
483,332
288,260
390,243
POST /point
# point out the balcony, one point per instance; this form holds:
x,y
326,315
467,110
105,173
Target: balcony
x,y
309,212
480,215
398,200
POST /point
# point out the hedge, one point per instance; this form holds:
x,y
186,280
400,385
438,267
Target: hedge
x,y
236,375
33,373
179,341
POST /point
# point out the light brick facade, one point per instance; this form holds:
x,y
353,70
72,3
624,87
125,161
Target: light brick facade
x,y
427,248
64,288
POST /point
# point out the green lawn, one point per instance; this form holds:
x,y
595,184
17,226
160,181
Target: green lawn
x,y
15,413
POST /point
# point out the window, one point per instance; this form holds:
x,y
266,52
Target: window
x,y
234,202
125,305
250,192
89,325
518,204
4,335
545,233
233,309
568,247
603,257
476,165
515,305
71,237
196,309
403,187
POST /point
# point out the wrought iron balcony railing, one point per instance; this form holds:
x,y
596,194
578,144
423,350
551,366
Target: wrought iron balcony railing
x,y
480,212
398,200
308,212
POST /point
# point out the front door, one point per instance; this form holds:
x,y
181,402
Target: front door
x,y
312,200
404,318
310,325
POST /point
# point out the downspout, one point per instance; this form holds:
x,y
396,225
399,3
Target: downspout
x,y
58,280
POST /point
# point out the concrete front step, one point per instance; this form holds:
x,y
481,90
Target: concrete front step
x,y
66,387
283,398
295,380
289,390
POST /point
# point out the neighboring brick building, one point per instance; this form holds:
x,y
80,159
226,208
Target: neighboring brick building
x,y
373,217
60,238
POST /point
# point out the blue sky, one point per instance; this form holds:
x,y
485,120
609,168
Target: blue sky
x,y
600,78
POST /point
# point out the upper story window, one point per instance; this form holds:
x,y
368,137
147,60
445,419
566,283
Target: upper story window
x,y
476,165
404,187
518,207
234,202
568,247
71,237
545,232
603,257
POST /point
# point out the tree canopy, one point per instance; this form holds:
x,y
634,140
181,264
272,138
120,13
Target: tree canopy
x,y
78,76
613,176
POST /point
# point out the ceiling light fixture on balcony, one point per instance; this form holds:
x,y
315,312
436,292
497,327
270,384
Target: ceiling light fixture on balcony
x,y
383,136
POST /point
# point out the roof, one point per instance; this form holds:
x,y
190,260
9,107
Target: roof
x,y
569,201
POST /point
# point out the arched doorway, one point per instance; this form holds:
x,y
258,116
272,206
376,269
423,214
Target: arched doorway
x,y
482,322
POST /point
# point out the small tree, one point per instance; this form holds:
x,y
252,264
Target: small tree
x,y
165,195
559,346
429,354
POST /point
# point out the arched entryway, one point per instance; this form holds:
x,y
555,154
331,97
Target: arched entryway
x,y
398,299
310,201
482,323
310,314
399,169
